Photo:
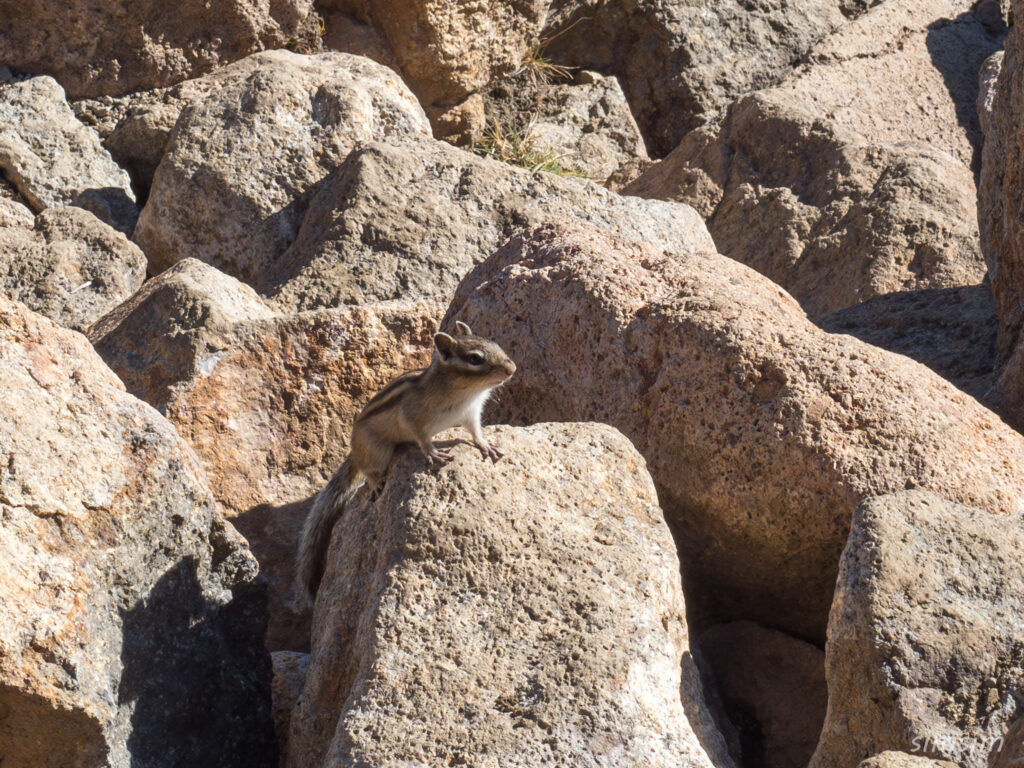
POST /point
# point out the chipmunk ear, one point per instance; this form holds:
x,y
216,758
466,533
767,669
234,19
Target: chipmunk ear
x,y
444,344
461,329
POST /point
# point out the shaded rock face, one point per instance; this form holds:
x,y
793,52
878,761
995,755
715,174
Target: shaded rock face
x,y
233,185
772,687
290,669
54,160
925,649
69,266
409,219
130,633
951,330
834,218
514,614
761,431
113,48
680,61
266,401
585,125
444,53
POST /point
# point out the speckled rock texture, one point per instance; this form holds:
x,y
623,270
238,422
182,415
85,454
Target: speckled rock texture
x,y
680,61
130,633
761,431
290,669
408,219
523,613
267,401
54,160
126,45
893,759
772,685
924,648
69,266
585,125
447,51
951,330
233,185
832,216
1001,105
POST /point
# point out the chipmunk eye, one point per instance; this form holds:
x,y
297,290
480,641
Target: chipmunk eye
x,y
475,358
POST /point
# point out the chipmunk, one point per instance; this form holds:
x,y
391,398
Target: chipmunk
x,y
412,408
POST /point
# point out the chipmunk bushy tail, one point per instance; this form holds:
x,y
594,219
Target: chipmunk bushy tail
x,y
316,533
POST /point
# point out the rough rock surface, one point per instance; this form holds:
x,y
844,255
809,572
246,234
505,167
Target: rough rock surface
x,y
267,402
925,649
762,431
116,47
772,687
232,187
54,160
129,630
586,125
951,330
1000,199
682,60
445,51
69,266
833,217
290,669
409,219
893,759
522,613
1010,751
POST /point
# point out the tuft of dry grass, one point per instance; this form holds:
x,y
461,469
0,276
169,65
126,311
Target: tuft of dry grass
x,y
519,149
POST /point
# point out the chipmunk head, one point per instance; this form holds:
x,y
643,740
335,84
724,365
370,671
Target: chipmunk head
x,y
476,358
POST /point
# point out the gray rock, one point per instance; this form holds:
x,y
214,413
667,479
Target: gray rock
x,y
522,613
680,61
233,185
119,46
408,219
130,625
892,759
69,266
924,650
54,160
290,669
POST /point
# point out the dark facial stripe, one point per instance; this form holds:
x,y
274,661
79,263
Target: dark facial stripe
x,y
388,396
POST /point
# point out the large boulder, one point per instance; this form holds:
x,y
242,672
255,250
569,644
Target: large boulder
x,y
761,431
233,184
680,61
772,689
126,45
446,54
267,401
521,613
851,178
54,160
408,219
893,759
924,650
833,217
70,266
130,633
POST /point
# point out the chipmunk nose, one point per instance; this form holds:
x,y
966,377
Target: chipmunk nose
x,y
510,367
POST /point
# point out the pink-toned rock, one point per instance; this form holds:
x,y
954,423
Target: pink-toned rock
x,y
126,45
761,431
130,632
516,614
266,401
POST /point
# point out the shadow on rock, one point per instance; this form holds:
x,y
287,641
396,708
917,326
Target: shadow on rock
x,y
198,676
